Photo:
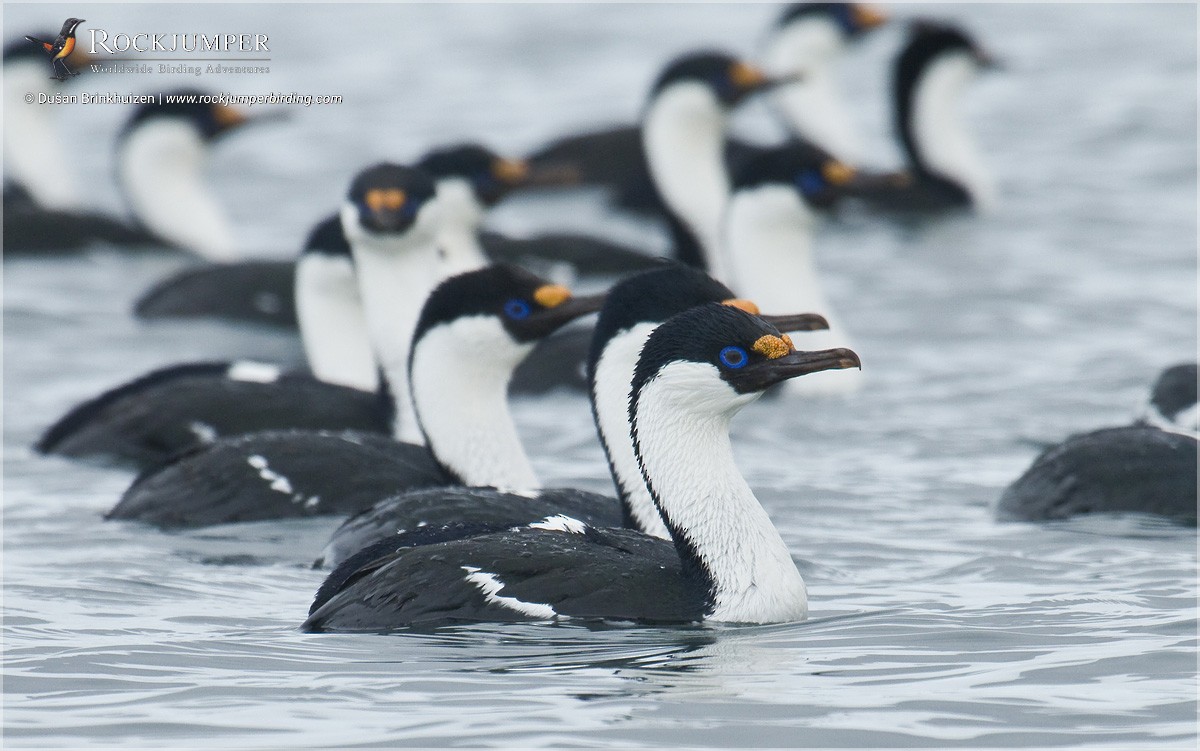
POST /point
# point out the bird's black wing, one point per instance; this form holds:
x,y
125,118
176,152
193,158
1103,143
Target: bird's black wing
x,y
586,255
277,475
521,575
432,508
177,408
558,361
1128,469
252,291
33,230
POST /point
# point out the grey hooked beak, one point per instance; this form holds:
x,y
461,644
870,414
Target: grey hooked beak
x,y
790,78
798,322
546,321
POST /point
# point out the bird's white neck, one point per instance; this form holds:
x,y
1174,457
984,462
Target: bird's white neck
x,y
683,135
768,243
723,533
1186,422
769,239
332,325
161,168
610,405
460,390
812,105
33,152
395,273
462,216
940,132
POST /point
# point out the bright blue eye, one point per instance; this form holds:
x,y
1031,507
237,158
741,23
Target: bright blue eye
x,y
810,181
410,208
518,310
724,87
485,179
846,18
734,357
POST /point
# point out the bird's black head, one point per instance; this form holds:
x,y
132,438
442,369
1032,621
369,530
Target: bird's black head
x,y
388,197
729,78
492,177
928,40
852,18
327,238
744,351
1175,390
527,306
652,297
813,172
655,296
209,120
68,27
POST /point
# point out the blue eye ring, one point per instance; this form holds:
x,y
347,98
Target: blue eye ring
x,y
734,357
410,208
810,181
845,17
723,85
516,309
485,179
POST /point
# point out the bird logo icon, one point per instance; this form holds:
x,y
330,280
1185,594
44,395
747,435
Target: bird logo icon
x,y
60,49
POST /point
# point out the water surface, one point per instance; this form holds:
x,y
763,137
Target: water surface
x,y
931,624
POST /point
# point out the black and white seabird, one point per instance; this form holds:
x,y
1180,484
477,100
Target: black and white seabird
x,y
1148,467
672,162
173,409
162,152
945,168
43,206
684,140
471,333
392,218
632,309
725,562
806,43
778,201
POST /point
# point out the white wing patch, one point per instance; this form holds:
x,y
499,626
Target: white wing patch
x,y
203,431
267,302
255,372
279,483
560,523
490,586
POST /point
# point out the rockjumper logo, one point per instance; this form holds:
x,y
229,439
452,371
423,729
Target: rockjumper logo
x,y
60,49
101,40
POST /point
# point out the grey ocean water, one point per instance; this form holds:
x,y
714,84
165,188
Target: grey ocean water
x,y
932,625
